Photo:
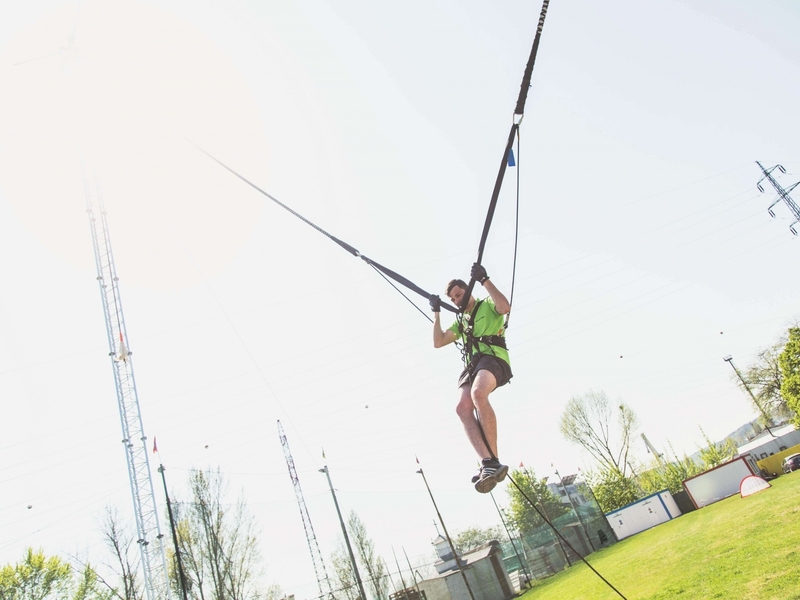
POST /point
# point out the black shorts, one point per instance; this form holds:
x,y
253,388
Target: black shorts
x,y
496,366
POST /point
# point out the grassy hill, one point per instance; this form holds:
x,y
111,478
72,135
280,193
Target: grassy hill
x,y
736,549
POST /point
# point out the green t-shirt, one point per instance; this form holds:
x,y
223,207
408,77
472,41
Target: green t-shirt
x,y
487,322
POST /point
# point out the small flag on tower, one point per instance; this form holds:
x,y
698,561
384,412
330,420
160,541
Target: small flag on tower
x,y
155,446
511,162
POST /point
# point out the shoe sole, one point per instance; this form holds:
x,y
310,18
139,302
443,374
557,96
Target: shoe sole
x,y
485,485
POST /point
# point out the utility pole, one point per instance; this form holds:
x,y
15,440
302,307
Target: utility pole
x,y
729,359
346,537
783,194
447,535
414,575
399,571
323,583
178,560
149,537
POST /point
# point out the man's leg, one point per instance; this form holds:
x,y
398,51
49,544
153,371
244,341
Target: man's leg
x,y
492,470
466,412
484,384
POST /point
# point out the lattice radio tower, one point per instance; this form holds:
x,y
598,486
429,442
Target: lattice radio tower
x,y
324,584
149,537
783,194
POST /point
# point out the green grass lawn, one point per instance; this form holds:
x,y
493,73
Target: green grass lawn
x,y
736,549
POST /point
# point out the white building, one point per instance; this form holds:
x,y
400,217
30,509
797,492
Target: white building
x,y
482,567
766,444
567,489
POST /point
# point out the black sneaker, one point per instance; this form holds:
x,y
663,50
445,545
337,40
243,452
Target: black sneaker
x,y
491,473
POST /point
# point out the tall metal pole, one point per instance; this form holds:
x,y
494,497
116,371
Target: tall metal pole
x,y
323,583
148,529
178,559
414,575
346,537
399,572
729,359
447,535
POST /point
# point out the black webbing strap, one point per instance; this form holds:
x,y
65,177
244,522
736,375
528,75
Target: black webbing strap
x,y
388,272
519,110
493,340
403,281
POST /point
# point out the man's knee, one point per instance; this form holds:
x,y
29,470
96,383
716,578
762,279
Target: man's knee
x,y
480,392
464,407
480,399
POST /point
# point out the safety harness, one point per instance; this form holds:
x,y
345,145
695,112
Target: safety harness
x,y
471,342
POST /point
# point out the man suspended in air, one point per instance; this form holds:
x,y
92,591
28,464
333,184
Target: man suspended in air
x,y
480,329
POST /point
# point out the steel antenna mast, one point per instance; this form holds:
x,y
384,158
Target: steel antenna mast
x,y
783,194
150,538
324,584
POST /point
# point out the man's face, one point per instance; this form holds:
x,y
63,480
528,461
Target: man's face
x,y
456,295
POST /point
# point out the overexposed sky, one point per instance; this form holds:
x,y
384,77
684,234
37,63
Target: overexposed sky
x,y
646,253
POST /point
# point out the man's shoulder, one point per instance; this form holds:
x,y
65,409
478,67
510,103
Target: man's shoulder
x,y
488,303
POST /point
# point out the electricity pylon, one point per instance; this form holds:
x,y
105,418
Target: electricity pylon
x,y
783,194
323,582
149,537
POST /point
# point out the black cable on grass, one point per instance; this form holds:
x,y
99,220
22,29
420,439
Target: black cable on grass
x,y
562,538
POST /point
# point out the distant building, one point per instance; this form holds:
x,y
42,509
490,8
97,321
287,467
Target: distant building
x,y
766,444
482,566
566,490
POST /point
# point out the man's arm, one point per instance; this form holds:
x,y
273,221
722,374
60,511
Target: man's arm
x,y
501,304
440,337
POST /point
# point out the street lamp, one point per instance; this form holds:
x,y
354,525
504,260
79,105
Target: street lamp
x,y
346,538
729,359
447,535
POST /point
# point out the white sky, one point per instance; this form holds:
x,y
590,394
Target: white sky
x,y
646,253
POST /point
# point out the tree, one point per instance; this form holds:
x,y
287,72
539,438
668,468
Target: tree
x,y
789,361
343,572
120,542
613,489
472,537
520,514
765,378
39,577
588,421
669,475
715,454
365,548
219,547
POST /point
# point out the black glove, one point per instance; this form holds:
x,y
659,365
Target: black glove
x,y
436,303
478,273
